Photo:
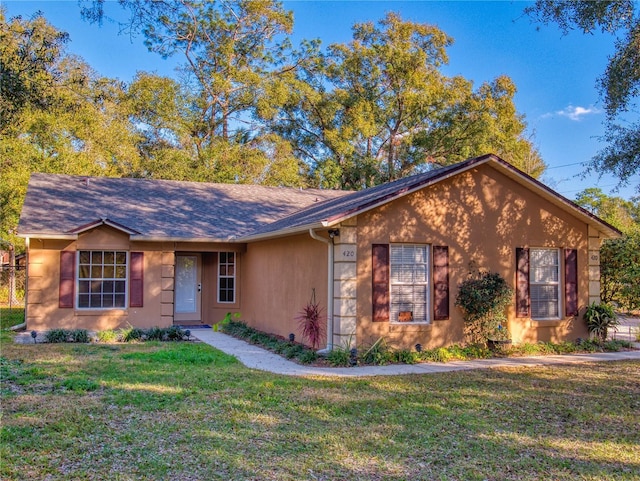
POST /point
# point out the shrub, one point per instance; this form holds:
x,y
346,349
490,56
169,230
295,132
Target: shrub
x,y
107,336
226,320
57,335
406,356
293,350
237,329
129,334
378,353
307,357
483,297
440,354
155,334
616,345
312,322
338,356
620,271
600,318
174,333
80,335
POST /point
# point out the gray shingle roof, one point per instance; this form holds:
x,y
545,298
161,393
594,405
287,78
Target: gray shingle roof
x,y
63,204
332,210
159,209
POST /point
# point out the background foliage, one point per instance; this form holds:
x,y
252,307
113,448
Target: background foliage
x,y
246,106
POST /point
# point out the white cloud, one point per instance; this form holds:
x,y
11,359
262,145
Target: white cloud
x,y
577,113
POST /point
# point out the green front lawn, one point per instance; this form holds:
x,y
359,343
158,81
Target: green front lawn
x,y
184,411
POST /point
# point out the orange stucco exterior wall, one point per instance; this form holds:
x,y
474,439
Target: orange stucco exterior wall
x,y
278,277
482,216
43,310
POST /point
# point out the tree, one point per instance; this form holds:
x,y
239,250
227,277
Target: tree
x,y
232,51
619,258
379,108
58,116
619,86
620,213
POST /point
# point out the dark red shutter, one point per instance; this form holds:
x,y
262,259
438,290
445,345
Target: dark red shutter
x,y
571,282
440,283
522,282
380,281
67,279
136,278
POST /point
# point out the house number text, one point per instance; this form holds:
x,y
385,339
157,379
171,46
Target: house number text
x,y
349,253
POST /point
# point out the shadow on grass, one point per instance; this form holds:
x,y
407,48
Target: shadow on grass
x,y
187,411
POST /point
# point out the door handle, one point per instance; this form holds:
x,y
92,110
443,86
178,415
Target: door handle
x,y
199,287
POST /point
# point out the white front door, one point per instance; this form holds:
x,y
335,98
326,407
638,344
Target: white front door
x,y
188,288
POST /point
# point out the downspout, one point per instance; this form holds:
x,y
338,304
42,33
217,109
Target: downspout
x,y
329,243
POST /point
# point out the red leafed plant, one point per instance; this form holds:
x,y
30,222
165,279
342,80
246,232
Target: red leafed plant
x,y
311,321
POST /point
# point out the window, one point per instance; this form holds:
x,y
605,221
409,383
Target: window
x,y
544,283
102,279
226,277
409,282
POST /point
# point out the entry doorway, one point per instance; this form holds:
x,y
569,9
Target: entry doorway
x,y
188,288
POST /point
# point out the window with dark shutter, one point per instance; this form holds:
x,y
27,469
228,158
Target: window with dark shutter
x,y
136,279
522,282
380,282
571,281
67,279
440,283
102,279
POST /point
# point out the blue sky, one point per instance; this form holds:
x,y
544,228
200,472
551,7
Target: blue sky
x,y
555,74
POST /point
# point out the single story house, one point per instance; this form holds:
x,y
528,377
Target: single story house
x,y
105,253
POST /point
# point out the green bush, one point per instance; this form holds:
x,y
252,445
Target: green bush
x,y
308,356
293,350
377,353
130,334
155,334
174,333
107,336
338,357
620,270
57,335
483,298
80,335
600,318
237,329
440,354
406,356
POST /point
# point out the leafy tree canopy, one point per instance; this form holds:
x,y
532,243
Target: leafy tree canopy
x,y
379,108
619,258
57,115
620,213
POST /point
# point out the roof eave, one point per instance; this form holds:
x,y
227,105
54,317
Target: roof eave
x,y
145,238
301,229
47,236
103,221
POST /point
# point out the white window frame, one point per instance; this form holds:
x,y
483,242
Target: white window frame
x,y
224,266
101,279
533,281
394,306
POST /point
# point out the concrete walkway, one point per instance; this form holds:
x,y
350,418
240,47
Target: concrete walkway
x,y
257,358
